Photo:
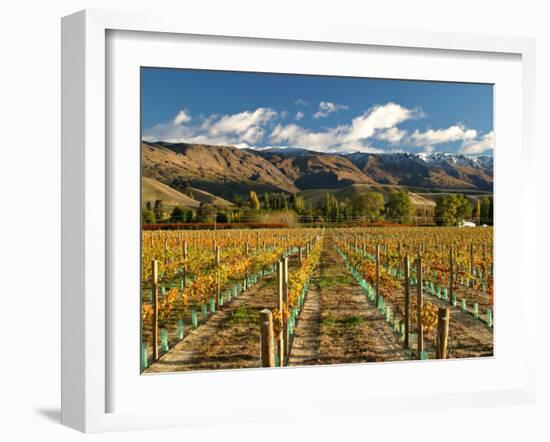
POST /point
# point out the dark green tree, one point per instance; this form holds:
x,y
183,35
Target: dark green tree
x,y
450,210
147,216
368,205
331,208
159,210
486,210
206,212
178,215
267,201
399,207
223,217
297,202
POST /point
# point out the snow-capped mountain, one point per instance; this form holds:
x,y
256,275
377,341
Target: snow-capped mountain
x,y
227,170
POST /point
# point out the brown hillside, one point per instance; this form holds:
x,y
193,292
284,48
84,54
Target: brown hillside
x,y
313,171
221,170
152,190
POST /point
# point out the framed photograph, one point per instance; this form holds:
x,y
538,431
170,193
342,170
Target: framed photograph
x,y
334,218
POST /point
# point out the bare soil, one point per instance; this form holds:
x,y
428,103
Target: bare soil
x,y
351,329
229,339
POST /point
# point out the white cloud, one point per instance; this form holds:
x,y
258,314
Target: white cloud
x,y
301,102
351,137
257,127
297,136
243,121
182,117
326,108
392,135
241,129
479,145
452,133
380,117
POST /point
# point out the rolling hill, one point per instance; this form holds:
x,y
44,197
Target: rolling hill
x,y
216,174
312,171
152,190
223,171
201,196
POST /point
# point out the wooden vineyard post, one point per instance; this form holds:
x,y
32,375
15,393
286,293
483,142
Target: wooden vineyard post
x,y
184,253
285,304
407,302
280,346
451,265
471,259
155,288
443,317
377,273
266,337
217,301
419,304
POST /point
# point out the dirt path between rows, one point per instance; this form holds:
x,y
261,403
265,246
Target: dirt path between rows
x,y
229,339
305,343
468,337
350,330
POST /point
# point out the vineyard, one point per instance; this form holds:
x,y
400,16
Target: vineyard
x,y
243,298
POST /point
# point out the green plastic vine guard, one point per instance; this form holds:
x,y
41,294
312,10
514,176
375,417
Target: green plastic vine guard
x,y
212,305
228,295
144,362
463,305
164,339
388,313
454,300
489,317
163,290
476,311
180,329
203,311
194,321
181,283
424,355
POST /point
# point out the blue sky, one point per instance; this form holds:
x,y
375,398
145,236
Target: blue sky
x,y
322,113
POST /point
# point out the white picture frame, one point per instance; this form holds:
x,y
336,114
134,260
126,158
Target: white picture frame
x,y
86,214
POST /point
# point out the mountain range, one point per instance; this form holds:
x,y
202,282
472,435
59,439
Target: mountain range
x,y
224,171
